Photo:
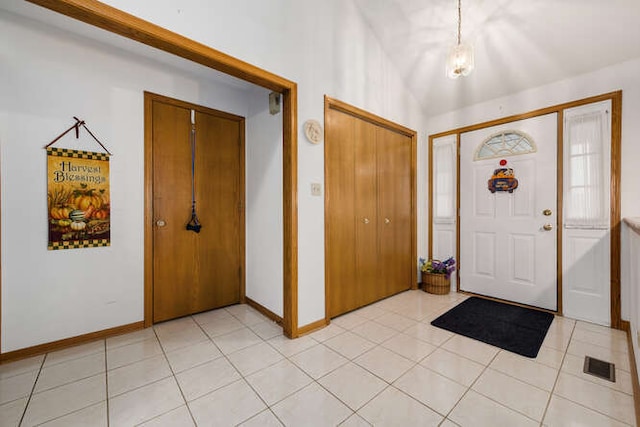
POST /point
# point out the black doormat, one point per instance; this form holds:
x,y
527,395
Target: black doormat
x,y
516,329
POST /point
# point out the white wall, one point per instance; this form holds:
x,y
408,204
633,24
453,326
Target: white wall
x,y
327,48
619,77
263,174
46,77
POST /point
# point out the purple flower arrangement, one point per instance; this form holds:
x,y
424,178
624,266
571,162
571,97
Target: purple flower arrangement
x,y
435,266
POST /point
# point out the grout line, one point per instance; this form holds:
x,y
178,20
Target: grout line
x,y
242,377
106,381
75,357
576,376
58,386
24,412
289,359
473,382
387,383
68,413
175,379
555,383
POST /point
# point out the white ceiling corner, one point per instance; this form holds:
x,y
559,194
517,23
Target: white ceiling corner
x,y
519,44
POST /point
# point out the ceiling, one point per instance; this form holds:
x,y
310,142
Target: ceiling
x,y
519,44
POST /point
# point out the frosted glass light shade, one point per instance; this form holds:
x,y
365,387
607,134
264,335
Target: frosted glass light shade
x,y
460,61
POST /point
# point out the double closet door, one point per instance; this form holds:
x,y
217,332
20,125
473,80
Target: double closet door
x,y
194,272
369,185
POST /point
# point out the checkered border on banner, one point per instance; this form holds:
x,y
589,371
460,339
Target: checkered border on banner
x,y
76,154
76,244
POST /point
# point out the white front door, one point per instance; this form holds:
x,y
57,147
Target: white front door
x,y
508,246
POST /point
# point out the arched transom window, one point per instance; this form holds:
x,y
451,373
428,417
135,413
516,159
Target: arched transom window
x,y
507,143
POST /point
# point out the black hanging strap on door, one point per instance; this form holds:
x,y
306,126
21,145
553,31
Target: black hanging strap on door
x,y
194,223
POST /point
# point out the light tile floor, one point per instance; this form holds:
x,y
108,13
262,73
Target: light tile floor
x,y
381,365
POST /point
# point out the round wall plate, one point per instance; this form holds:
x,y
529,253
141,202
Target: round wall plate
x,y
313,131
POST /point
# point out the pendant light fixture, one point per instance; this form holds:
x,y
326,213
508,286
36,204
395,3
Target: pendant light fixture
x,y
460,59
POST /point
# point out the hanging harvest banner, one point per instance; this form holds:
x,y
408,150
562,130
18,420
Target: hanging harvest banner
x,y
78,199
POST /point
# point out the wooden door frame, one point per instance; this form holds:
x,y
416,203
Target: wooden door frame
x,y
334,104
118,22
149,99
615,224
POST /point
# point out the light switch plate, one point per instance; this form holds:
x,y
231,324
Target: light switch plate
x,y
316,189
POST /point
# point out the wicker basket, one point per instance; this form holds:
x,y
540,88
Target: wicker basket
x,y
437,284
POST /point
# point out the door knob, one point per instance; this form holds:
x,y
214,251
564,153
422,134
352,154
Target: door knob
x,y
160,223
548,227
387,220
366,220
547,212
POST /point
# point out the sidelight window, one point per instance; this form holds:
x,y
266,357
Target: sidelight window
x,y
444,158
587,152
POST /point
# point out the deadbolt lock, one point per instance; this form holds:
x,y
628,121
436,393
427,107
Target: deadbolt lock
x,y
547,212
160,223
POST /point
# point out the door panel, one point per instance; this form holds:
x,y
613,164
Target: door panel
x,y
484,255
522,259
394,207
484,204
218,196
194,272
512,256
340,190
366,219
174,250
523,200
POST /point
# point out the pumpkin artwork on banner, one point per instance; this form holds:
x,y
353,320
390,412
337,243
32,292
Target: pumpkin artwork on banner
x,y
78,199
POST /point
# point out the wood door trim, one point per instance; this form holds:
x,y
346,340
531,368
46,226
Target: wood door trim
x,y
69,342
559,206
119,22
430,201
290,210
313,326
264,310
616,219
190,106
529,114
116,21
615,203
626,326
334,104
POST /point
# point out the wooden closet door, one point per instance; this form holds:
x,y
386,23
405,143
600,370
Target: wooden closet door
x,y
340,254
219,203
366,218
394,211
173,248
193,272
369,176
